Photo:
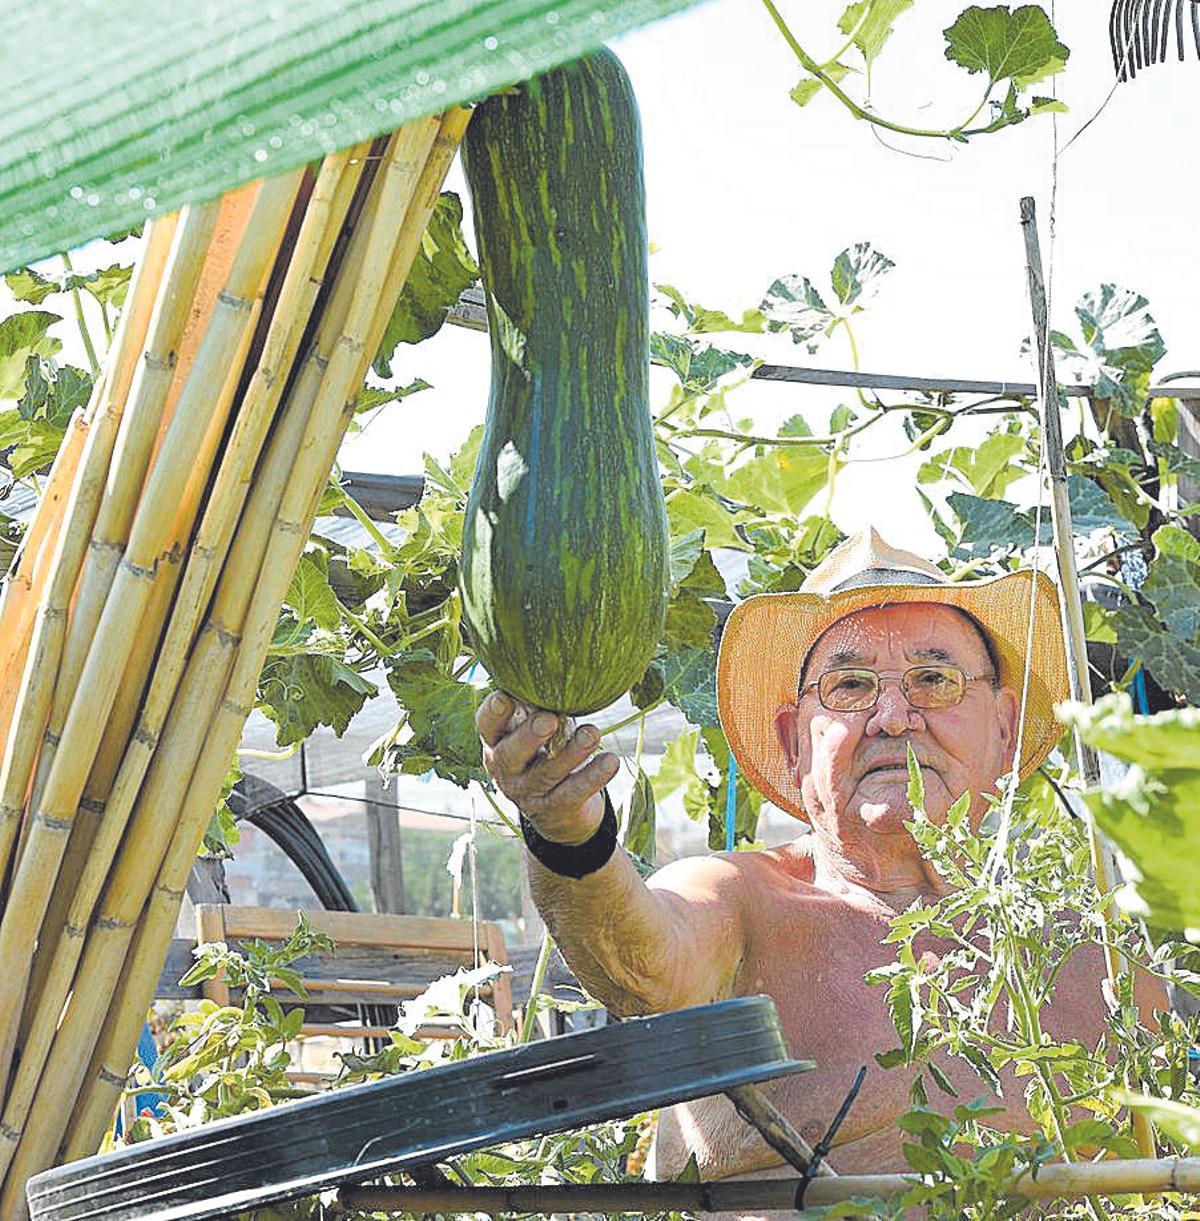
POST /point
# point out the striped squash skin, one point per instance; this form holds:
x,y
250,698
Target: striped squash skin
x,y
564,570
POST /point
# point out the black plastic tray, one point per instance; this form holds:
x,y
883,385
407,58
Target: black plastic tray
x,y
364,1131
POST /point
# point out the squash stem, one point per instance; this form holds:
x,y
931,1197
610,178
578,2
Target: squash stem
x,y
629,720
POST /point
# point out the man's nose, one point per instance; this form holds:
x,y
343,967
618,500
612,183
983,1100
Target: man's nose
x,y
893,714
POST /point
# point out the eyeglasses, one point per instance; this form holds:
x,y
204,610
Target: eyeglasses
x,y
856,690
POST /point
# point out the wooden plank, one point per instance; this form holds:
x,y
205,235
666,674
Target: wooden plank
x,y
353,928
210,926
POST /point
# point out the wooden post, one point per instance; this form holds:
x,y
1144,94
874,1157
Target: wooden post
x,y
383,841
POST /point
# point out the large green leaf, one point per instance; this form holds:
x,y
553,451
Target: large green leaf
x,y
443,268
179,102
1018,45
1153,812
22,336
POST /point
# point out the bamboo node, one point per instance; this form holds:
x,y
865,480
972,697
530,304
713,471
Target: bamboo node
x,y
9,1133
55,612
75,930
235,302
138,571
285,526
10,813
163,889
233,706
93,805
112,922
352,342
105,544
145,736
110,1078
51,738
229,639
165,363
51,823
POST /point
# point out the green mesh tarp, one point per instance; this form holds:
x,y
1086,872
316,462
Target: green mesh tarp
x,y
112,111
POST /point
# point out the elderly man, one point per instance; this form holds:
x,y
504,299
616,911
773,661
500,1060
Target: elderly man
x,y
821,694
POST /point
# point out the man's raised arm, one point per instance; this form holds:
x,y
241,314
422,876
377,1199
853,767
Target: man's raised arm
x,y
637,948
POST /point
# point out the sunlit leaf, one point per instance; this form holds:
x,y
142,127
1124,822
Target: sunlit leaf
x,y
1006,44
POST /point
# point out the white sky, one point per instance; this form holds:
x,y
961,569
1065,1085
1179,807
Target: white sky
x,y
744,186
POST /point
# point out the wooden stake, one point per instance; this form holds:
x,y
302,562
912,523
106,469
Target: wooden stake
x,y
1054,1181
1071,604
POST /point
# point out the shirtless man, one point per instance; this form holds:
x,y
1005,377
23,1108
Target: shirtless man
x,y
821,693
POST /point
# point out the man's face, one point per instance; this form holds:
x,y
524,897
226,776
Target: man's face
x,y
852,766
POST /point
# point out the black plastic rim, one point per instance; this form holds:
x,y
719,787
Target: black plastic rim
x,y
365,1131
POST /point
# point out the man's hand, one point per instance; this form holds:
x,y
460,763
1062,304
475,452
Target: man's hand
x,y
560,795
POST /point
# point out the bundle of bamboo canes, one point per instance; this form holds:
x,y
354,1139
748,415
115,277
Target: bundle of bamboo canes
x,y
137,616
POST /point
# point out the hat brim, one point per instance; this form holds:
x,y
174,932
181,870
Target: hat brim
x,y
768,636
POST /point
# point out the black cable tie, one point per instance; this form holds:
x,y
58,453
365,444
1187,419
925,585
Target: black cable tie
x,y
821,1150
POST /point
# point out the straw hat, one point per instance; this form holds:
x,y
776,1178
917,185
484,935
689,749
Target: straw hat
x,y
768,636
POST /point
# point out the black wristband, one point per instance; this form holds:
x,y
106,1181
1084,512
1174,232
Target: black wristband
x,y
574,860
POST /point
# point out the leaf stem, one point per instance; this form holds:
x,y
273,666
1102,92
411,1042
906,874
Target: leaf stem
x,y
629,720
363,518
500,814
84,333
535,986
811,66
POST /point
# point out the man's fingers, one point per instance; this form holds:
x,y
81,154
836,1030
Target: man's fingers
x,y
578,787
514,750
544,773
492,716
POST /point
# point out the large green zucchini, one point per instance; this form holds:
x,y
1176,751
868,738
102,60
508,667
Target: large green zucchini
x,y
564,568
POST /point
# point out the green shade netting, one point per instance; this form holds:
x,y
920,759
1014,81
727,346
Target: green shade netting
x,y
112,111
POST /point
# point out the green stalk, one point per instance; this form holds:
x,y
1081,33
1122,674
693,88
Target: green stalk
x,y
364,520
535,987
500,814
629,720
84,334
811,66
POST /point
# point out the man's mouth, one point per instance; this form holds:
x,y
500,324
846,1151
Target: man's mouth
x,y
898,765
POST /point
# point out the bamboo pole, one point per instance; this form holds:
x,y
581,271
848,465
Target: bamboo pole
x,y
130,695
107,1071
203,684
131,456
31,706
92,699
1057,1180
26,575
323,218
1071,605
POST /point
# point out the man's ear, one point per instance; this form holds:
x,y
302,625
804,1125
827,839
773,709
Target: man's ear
x,y
786,731
1008,709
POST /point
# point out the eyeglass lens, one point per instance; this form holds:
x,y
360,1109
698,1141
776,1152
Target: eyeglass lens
x,y
853,690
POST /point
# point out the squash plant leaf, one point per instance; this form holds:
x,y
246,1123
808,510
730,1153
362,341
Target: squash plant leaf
x,y
30,286
638,838
793,304
438,730
311,596
442,270
698,366
1006,44
871,22
856,273
299,691
22,336
1152,813
1174,663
